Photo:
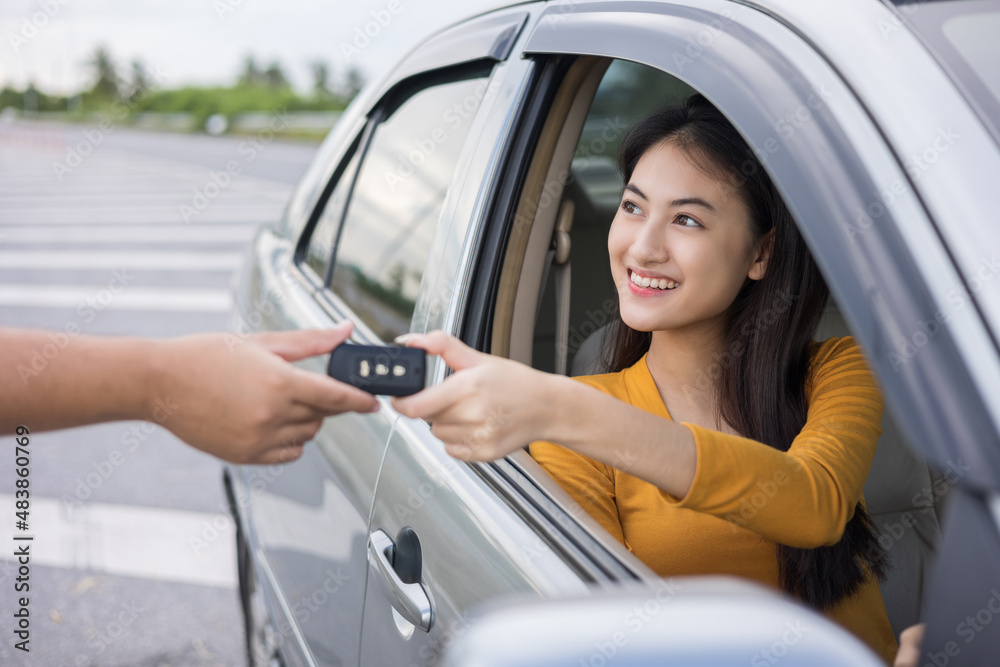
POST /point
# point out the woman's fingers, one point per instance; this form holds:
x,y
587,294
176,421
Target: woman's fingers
x,y
433,402
455,353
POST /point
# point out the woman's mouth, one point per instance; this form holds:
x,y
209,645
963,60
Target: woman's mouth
x,y
650,282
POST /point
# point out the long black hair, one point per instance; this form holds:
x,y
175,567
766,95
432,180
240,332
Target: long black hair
x,y
760,383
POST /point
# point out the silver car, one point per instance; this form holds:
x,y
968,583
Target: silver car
x,y
471,189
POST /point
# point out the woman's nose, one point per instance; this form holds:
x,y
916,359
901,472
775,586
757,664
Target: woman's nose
x,y
650,245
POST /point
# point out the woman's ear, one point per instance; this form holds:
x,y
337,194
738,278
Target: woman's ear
x,y
762,253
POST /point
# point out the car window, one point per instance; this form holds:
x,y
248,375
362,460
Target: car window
x,y
901,489
320,252
382,246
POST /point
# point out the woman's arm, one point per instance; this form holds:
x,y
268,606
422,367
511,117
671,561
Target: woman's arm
x,y
492,406
803,497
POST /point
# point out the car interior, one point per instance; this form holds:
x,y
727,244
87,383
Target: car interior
x,y
556,293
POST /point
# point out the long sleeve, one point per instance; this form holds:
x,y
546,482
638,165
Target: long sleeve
x,y
589,482
803,497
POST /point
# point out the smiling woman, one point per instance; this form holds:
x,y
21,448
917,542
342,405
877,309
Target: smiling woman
x,y
754,468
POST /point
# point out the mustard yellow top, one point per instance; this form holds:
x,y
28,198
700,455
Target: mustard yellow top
x,y
744,490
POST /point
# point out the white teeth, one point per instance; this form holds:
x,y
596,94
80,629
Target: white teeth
x,y
655,283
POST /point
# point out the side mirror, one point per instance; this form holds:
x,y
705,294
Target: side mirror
x,y
679,622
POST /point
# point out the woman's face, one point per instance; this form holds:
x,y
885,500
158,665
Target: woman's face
x,y
685,237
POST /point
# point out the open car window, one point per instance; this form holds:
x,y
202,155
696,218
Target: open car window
x,y
903,495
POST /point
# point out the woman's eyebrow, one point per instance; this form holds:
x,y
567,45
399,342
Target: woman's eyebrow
x,y
632,188
692,201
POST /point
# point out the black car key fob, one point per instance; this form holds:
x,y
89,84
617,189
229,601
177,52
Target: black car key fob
x,y
390,370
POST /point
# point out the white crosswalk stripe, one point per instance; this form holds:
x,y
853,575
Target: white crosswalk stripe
x,y
146,542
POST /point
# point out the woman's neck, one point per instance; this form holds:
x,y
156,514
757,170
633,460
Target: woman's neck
x,y
687,363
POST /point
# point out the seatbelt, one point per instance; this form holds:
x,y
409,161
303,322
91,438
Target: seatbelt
x,y
560,262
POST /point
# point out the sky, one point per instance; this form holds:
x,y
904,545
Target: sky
x,y
205,42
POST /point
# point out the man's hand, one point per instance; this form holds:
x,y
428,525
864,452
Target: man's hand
x,y
236,398
240,399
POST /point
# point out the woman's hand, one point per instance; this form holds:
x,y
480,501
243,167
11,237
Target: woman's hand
x,y
488,408
909,646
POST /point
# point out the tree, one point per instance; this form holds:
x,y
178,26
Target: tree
x,y
274,77
354,82
105,73
140,81
251,76
321,78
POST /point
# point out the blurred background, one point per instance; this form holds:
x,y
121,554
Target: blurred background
x,y
142,143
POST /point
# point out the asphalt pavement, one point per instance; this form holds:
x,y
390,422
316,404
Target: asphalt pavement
x,y
107,230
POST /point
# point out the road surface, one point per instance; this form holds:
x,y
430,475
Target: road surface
x,y
106,230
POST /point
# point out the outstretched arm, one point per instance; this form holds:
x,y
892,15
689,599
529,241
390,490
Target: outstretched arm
x,y
237,398
491,407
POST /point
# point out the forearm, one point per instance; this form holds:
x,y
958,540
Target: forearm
x,y
88,380
608,430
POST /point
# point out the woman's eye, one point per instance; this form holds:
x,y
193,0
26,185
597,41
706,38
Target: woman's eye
x,y
630,207
687,221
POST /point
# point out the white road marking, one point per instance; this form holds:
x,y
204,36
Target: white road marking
x,y
150,543
165,261
128,298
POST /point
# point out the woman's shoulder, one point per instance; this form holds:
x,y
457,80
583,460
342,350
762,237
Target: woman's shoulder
x,y
838,358
835,350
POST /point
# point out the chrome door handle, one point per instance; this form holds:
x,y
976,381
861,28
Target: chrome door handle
x,y
409,600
